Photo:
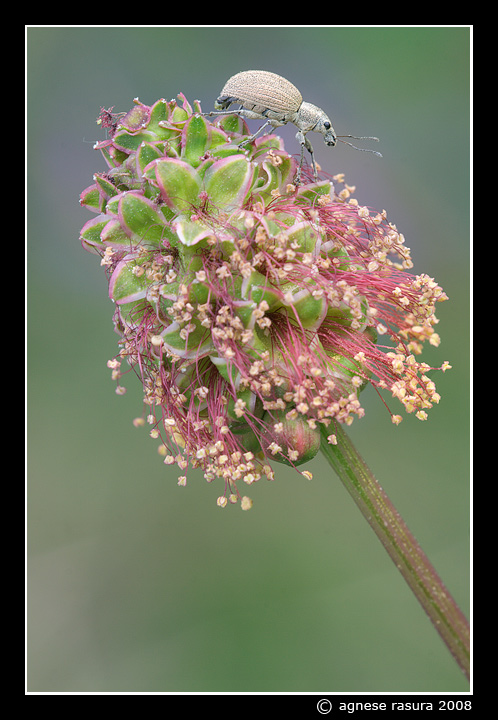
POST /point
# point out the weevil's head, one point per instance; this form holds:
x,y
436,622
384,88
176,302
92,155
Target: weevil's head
x,y
324,126
223,102
312,118
327,131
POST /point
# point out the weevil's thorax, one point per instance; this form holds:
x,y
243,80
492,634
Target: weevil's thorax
x,y
312,118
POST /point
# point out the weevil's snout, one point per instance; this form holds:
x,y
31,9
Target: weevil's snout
x,y
330,138
222,103
328,132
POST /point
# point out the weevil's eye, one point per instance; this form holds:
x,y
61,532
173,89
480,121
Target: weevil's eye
x,y
327,125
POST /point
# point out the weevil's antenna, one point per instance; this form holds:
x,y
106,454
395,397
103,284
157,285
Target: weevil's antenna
x,y
355,137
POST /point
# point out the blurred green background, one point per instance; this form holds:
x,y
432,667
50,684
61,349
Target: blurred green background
x,y
135,584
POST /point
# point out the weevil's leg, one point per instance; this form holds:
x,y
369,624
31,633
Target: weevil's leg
x,y
239,112
242,112
305,143
297,179
251,137
309,148
221,112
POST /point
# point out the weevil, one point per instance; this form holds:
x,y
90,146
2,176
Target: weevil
x,y
266,96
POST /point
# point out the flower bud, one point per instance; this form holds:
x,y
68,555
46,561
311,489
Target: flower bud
x,y
297,440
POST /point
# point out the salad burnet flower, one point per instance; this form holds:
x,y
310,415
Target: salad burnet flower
x,y
254,311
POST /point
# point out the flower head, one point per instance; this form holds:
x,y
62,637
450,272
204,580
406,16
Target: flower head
x,y
253,311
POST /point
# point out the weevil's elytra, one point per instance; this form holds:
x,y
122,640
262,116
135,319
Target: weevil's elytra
x,y
266,96
265,91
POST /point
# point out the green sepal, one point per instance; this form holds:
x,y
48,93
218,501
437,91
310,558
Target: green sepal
x,y
309,310
147,152
191,233
159,116
113,157
112,207
198,342
302,235
223,150
272,180
140,218
178,182
114,235
257,288
91,198
130,142
90,234
108,189
228,182
227,369
239,425
196,139
371,333
346,368
259,343
130,314
125,286
339,254
178,115
233,124
219,139
311,193
247,439
344,316
198,292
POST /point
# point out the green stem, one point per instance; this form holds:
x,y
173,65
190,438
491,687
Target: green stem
x,y
399,542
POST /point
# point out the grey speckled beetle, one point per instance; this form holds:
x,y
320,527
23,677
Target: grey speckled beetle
x,y
266,96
